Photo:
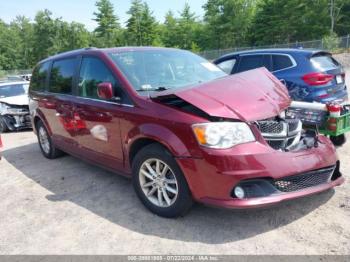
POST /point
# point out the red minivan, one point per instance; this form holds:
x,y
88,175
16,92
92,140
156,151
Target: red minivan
x,y
180,127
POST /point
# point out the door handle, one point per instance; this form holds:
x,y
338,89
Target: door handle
x,y
61,115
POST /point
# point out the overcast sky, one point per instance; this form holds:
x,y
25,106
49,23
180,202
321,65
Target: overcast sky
x,y
82,10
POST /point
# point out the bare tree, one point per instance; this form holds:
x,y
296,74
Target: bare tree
x,y
335,7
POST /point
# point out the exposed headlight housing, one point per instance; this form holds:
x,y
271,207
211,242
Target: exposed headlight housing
x,y
222,135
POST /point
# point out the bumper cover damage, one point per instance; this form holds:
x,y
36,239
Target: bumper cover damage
x,y
267,177
15,117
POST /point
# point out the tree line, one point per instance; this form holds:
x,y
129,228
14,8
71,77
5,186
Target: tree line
x,y
225,24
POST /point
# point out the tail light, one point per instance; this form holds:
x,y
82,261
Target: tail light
x,y
343,75
317,79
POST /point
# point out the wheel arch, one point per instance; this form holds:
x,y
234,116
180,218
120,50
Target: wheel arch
x,y
41,117
153,133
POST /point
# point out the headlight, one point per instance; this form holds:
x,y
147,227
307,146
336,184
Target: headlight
x,y
222,135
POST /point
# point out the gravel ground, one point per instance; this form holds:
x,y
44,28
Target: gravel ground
x,y
66,206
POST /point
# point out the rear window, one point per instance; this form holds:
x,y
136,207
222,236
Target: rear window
x,y
324,63
281,62
61,77
38,80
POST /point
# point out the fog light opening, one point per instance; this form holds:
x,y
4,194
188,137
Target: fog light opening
x,y
239,192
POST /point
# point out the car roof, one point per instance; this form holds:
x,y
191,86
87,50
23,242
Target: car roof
x,y
290,51
7,83
90,50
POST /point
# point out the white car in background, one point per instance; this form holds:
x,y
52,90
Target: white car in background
x,y
14,108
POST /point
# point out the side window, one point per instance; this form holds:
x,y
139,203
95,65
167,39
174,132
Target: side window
x,y
267,62
38,80
249,62
93,72
227,65
61,77
281,62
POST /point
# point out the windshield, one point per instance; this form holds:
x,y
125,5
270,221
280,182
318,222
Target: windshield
x,y
164,69
13,90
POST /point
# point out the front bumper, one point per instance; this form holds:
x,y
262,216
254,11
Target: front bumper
x,y
213,177
17,122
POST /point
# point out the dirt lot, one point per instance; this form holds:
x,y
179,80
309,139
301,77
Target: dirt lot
x,y
66,206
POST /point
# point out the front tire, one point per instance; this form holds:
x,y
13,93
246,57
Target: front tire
x,y
160,183
45,143
338,140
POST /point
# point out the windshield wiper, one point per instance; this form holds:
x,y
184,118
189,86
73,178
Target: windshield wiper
x,y
160,88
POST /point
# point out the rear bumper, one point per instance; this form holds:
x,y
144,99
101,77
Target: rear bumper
x,y
213,177
340,96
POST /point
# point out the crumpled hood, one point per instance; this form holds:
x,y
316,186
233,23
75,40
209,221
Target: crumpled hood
x,y
15,100
248,96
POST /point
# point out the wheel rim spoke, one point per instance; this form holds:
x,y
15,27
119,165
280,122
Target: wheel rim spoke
x,y
151,192
150,169
148,184
166,197
149,176
160,198
158,167
165,170
170,181
171,190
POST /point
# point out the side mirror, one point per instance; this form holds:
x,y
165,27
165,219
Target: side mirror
x,y
105,90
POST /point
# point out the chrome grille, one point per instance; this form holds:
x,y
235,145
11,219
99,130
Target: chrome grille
x,y
272,127
281,134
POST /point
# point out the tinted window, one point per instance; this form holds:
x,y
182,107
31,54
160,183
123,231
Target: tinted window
x,y
38,80
250,62
267,62
93,72
61,77
324,62
227,65
281,62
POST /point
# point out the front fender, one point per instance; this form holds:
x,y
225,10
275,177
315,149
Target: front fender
x,y
160,134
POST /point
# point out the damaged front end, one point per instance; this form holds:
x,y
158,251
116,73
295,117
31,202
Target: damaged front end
x,y
254,97
287,134
14,117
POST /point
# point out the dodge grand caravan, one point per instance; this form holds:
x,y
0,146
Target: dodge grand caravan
x,y
180,127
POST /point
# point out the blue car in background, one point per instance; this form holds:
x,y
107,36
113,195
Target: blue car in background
x,y
310,75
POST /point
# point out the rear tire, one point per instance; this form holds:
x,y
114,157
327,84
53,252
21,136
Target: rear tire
x,y
45,143
338,140
160,183
3,126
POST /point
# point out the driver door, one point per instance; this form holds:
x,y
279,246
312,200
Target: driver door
x,y
97,120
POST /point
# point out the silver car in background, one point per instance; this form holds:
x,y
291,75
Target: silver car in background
x,y
14,109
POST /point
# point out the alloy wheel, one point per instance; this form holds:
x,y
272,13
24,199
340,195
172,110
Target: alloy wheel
x,y
158,182
44,140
